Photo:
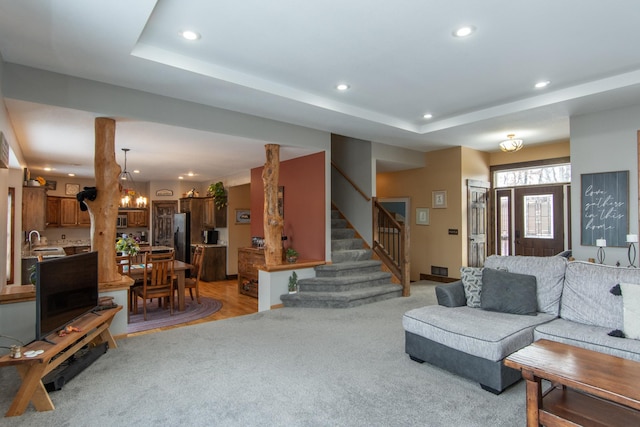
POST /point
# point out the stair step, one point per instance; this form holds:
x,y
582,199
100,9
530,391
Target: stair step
x,y
351,255
349,268
335,214
342,233
338,223
344,283
342,244
342,299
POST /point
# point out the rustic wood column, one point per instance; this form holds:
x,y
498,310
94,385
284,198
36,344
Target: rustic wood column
x,y
103,211
273,223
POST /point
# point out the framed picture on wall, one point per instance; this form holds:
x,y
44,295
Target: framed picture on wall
x,y
243,216
422,216
439,199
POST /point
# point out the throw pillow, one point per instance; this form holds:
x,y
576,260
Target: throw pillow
x,y
508,292
472,282
631,310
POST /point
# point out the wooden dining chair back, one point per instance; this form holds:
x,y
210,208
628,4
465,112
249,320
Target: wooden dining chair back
x,y
123,262
158,281
193,282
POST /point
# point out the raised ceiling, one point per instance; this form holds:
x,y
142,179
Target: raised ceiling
x,y
282,60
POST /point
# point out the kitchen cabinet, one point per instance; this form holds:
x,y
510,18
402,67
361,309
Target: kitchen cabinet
x,y
73,250
212,216
65,212
195,207
214,263
34,208
138,218
53,211
248,261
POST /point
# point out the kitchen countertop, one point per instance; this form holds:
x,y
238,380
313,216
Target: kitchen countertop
x,y
207,245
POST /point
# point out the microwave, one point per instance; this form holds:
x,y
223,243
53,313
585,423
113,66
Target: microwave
x,y
121,221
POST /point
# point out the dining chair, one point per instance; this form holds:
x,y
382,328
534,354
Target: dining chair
x,y
193,282
123,262
158,281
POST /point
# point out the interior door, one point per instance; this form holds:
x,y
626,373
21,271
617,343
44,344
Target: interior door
x,y
539,221
162,222
477,222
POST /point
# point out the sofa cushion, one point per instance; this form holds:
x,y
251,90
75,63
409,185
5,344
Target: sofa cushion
x,y
586,298
487,334
591,337
548,271
507,292
472,281
631,310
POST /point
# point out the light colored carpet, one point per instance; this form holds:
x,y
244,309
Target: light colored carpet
x,y
158,317
291,366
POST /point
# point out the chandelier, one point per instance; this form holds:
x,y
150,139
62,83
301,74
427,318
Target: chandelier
x,y
130,198
511,145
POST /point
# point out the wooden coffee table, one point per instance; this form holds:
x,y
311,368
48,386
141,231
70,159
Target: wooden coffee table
x,y
588,388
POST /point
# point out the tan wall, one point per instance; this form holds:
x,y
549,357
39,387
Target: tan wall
x,y
430,244
531,153
239,197
449,170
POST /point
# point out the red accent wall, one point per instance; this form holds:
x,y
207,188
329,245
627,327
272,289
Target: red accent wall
x,y
303,179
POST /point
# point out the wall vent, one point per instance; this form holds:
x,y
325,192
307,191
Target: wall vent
x,y
439,271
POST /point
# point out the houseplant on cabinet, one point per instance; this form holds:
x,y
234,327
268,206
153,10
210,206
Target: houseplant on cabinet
x,y
219,194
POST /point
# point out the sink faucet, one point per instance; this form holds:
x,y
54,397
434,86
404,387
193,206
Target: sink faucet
x,y
30,241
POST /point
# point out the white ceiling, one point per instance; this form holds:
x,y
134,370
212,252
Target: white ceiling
x,y
282,59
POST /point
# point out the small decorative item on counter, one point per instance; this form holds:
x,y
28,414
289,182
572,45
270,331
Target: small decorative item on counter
x,y
128,245
292,255
16,352
293,283
67,330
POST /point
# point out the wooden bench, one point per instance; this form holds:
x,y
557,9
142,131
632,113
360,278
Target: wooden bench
x,y
94,329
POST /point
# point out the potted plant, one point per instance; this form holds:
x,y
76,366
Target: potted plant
x,y
219,194
292,255
293,283
127,245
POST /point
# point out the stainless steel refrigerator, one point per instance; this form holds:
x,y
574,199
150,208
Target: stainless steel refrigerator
x,y
182,236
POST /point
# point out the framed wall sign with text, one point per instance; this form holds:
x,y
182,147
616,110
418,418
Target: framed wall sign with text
x,y
604,208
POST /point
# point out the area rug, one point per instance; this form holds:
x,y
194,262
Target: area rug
x,y
160,317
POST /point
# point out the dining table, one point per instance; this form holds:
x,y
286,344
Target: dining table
x,y
179,269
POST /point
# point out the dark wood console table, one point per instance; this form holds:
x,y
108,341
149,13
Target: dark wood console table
x,y
589,388
94,328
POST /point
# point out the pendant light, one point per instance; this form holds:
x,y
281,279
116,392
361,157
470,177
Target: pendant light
x,y
131,198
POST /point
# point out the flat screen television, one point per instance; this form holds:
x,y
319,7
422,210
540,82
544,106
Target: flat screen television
x,y
66,288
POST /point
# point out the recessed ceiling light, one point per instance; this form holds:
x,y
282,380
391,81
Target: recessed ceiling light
x,y
71,174
136,171
48,169
542,84
190,35
342,86
428,116
465,31
190,174
181,177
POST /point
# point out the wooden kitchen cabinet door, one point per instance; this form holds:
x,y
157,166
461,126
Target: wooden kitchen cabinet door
x,y
68,212
53,211
34,208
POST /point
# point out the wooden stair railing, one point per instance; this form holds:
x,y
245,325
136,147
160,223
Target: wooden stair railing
x,y
390,238
391,245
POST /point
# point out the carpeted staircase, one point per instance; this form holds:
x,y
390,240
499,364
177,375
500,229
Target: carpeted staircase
x,y
353,278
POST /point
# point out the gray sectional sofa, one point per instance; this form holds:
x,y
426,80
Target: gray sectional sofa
x,y
573,304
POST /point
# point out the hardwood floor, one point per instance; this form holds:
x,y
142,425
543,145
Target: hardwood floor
x,y
234,304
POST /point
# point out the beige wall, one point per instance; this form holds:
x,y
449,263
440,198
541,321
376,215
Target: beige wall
x,y
531,153
449,169
431,244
